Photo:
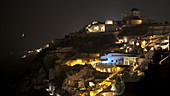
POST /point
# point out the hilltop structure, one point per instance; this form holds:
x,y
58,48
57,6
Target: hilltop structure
x,y
107,26
111,25
134,18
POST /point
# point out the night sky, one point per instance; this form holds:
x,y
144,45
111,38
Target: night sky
x,y
45,20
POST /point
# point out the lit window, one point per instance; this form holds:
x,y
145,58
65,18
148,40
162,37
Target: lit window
x,y
137,44
113,88
109,70
91,84
102,28
125,39
126,62
140,21
133,42
96,28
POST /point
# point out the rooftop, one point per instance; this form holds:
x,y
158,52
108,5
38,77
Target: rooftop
x,y
134,9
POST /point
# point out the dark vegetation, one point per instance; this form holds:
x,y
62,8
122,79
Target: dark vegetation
x,y
90,44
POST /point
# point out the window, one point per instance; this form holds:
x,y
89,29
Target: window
x,y
126,62
111,60
109,69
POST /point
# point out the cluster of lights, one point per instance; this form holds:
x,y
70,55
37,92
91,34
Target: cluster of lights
x,y
104,84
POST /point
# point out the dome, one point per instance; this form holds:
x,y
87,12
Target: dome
x,y
136,18
134,9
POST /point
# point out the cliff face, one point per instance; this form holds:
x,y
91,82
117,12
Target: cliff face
x,y
78,78
137,30
30,82
46,70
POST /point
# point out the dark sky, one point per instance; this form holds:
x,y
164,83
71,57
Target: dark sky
x,y
45,20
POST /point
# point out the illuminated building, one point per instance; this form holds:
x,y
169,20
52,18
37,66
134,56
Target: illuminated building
x,y
108,22
125,39
118,59
143,44
110,62
107,26
135,18
84,58
119,40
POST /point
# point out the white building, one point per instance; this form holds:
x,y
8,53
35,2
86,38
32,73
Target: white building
x,y
118,59
107,26
109,61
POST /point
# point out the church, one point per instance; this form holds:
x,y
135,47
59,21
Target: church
x,y
134,18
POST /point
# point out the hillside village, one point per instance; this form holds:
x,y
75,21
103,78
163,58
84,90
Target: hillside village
x,y
99,60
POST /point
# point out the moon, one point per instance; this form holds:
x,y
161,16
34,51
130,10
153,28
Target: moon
x,y
22,35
